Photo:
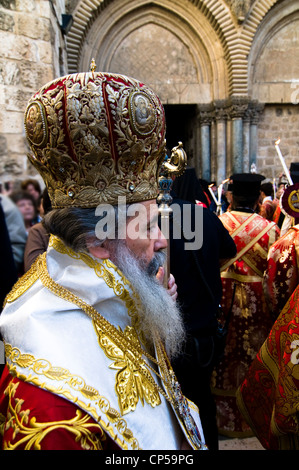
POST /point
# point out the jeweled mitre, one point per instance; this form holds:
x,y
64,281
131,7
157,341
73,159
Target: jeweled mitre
x,y
96,136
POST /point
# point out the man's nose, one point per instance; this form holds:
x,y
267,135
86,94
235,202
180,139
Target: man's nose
x,y
161,241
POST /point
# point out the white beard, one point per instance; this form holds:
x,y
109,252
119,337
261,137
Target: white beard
x,y
158,312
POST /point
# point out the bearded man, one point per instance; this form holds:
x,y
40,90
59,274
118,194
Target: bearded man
x,y
89,331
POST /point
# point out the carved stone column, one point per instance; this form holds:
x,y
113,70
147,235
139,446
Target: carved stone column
x,y
220,116
255,112
237,109
227,131
246,142
205,119
229,165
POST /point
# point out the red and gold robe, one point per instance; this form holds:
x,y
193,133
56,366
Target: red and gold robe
x,y
250,321
40,420
282,275
269,396
71,380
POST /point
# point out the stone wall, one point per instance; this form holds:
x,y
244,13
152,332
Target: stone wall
x,y
277,121
204,53
31,54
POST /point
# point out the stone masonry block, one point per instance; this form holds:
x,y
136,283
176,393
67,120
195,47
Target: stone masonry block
x,y
45,52
17,99
26,5
3,144
6,21
8,4
9,72
12,122
34,27
17,47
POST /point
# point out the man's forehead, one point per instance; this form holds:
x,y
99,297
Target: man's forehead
x,y
146,212
151,208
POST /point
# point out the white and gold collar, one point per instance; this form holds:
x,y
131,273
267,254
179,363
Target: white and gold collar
x,y
46,343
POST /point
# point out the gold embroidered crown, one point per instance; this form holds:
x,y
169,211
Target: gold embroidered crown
x,y
96,136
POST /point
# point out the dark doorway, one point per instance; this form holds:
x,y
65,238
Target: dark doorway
x,y
180,126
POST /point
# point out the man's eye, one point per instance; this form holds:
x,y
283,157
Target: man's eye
x,y
153,229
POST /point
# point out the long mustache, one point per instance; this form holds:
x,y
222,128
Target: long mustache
x,y
157,262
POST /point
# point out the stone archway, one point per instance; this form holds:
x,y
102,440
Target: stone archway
x,y
274,80
206,67
172,47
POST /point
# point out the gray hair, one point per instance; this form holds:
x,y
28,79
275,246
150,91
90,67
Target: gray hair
x,y
76,227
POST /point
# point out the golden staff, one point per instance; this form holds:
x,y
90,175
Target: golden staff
x,y
173,166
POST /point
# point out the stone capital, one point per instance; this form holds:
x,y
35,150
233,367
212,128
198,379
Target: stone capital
x,y
205,114
221,110
255,111
237,107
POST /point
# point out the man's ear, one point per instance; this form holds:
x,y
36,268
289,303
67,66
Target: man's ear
x,y
99,252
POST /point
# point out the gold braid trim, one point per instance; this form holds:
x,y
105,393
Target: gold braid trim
x,y
31,432
75,383
22,285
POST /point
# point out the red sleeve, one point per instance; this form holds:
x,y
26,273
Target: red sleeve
x,y
35,419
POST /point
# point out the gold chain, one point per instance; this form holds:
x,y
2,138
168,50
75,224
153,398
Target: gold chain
x,y
134,352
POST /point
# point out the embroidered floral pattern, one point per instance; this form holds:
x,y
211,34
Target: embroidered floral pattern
x,y
70,386
131,386
26,432
96,137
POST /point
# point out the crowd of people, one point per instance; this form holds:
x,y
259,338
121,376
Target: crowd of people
x,y
101,351
29,203
254,288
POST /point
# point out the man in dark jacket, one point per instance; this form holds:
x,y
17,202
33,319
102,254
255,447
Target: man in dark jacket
x,y
197,275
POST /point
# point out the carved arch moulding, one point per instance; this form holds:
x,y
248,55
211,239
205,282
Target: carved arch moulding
x,y
214,35
162,43
273,72
165,52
